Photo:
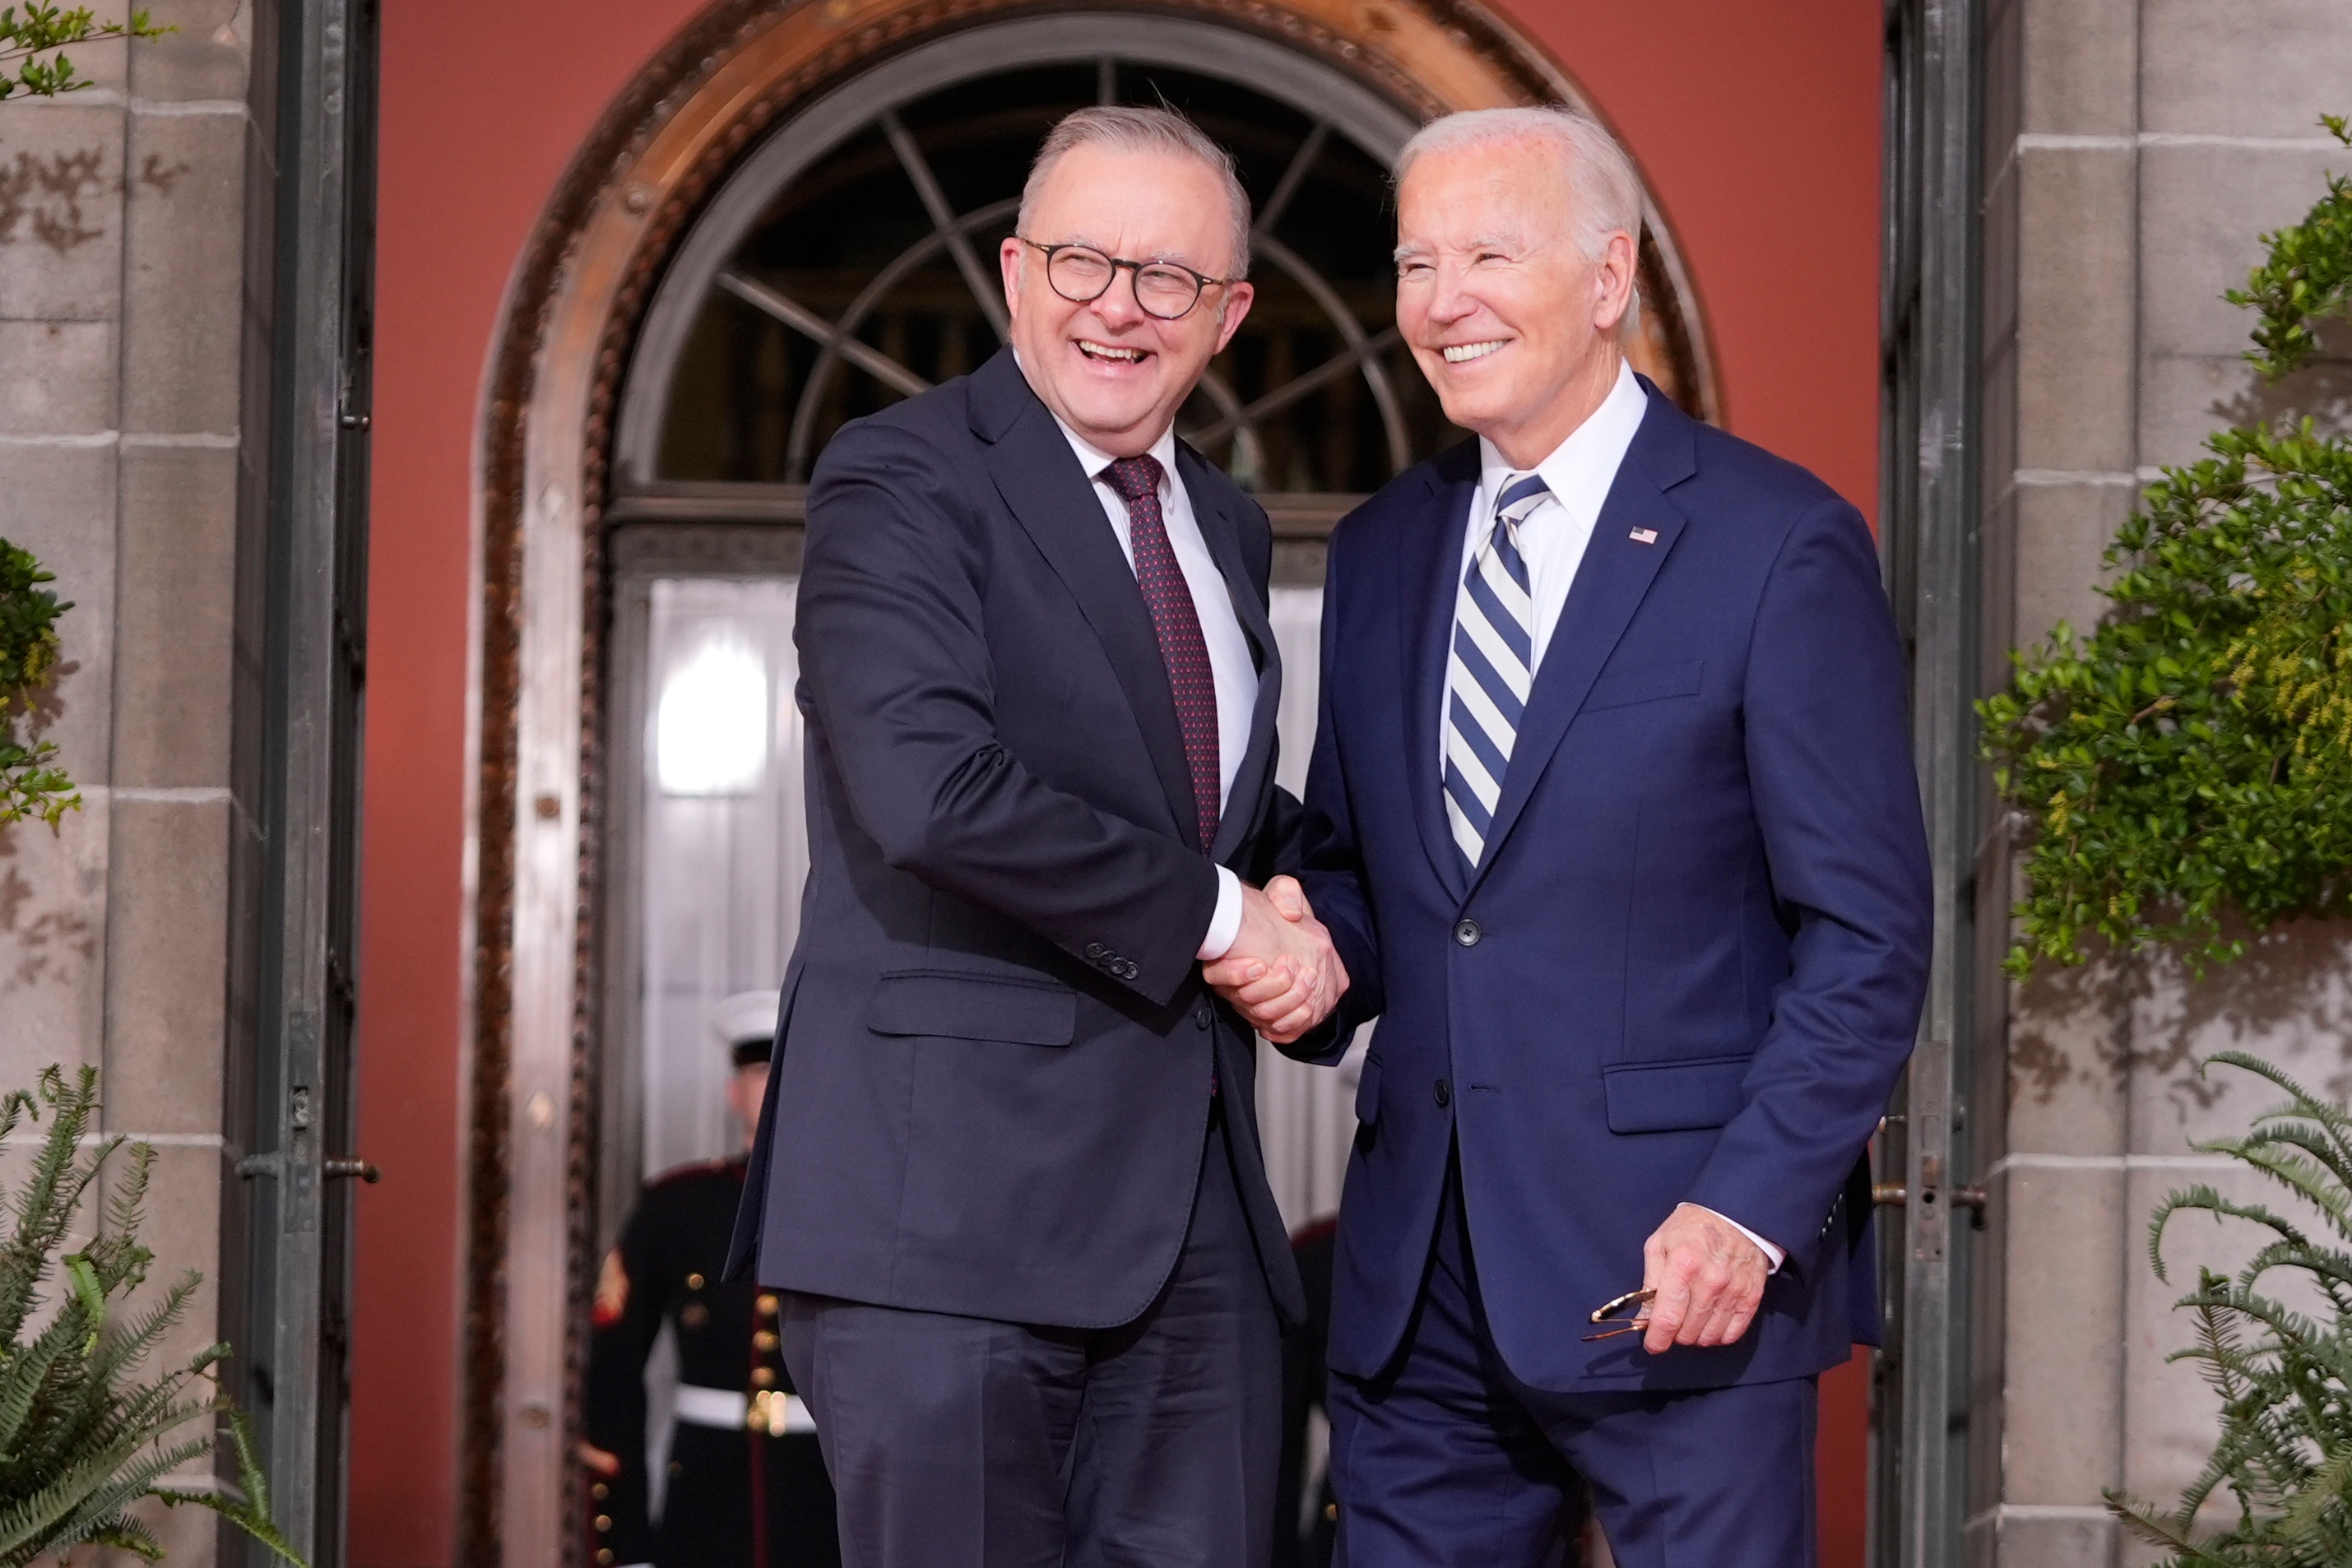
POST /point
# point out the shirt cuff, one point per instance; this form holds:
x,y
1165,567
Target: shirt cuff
x,y
1772,1255
1225,923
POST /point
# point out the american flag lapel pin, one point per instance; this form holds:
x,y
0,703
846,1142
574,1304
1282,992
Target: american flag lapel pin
x,y
1644,536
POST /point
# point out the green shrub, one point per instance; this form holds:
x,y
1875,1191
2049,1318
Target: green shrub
x,y
41,30
31,785
2193,756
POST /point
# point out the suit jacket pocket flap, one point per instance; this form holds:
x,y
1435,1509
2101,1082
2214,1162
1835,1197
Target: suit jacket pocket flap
x,y
974,1008
1645,683
1673,1097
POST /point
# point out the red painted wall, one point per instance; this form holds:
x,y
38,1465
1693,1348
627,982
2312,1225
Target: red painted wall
x,y
1756,127
483,105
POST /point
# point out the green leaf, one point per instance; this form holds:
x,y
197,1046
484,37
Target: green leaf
x,y
85,1431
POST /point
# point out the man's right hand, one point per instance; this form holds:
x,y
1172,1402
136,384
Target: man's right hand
x,y
1282,973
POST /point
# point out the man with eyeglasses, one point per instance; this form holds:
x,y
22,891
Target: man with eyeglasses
x,y
1007,1179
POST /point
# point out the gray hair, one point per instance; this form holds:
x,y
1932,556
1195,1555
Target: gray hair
x,y
1127,128
1604,193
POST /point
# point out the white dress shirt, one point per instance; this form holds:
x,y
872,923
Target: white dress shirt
x,y
1230,663
1552,540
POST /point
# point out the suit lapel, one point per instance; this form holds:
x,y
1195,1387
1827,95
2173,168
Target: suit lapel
x,y
1041,481
1221,532
1611,581
1428,572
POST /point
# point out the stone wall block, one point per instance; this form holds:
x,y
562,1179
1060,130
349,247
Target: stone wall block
x,y
206,60
61,211
2067,1054
2062,1394
57,378
2289,1000
2004,92
2087,1540
2184,398
167,956
183,288
59,504
178,608
1997,608
2250,67
2075,357
2062,532
52,943
2080,75
2203,213
183,1226
1997,330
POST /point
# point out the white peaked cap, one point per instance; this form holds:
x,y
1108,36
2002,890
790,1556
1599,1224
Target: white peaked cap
x,y
746,1016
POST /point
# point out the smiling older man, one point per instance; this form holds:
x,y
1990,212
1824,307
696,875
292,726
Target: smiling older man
x,y
1007,1176
1625,853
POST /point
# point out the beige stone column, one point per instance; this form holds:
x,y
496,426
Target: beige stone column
x,y
2135,149
125,314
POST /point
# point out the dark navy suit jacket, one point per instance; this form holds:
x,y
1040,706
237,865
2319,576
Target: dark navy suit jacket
x,y
993,1061
1691,963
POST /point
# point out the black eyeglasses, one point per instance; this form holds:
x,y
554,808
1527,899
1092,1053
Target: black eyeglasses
x,y
1081,274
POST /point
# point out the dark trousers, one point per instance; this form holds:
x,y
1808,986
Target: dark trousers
x,y
1447,1461
965,1443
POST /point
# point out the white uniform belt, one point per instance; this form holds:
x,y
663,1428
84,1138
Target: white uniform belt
x,y
728,1408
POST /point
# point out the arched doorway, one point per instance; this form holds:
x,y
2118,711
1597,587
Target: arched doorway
x,y
787,223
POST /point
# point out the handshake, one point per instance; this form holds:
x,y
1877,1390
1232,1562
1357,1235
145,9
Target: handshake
x,y
1281,972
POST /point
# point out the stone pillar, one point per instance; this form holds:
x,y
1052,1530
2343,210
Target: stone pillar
x,y
124,321
2135,150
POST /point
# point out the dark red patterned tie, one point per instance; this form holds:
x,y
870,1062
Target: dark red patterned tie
x,y
1170,599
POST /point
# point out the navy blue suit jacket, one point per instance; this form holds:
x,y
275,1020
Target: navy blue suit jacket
x,y
993,1062
1691,963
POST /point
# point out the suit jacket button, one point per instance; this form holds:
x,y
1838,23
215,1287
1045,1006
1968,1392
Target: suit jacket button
x,y
1442,1094
1128,969
1201,1014
1466,933
1094,950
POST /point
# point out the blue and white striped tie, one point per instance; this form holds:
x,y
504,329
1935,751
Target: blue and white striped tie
x,y
1492,668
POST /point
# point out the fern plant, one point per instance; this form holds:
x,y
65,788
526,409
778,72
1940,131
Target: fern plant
x,y
82,1436
2284,1372
31,784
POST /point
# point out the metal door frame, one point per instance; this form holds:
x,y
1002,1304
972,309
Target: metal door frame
x,y
1929,375
319,292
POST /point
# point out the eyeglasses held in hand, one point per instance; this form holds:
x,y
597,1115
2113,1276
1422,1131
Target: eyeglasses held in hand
x,y
1608,1312
1081,274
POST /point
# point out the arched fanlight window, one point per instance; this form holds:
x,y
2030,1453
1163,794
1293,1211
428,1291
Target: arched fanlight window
x,y
851,260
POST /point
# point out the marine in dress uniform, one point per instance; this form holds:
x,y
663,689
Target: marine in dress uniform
x,y
746,1485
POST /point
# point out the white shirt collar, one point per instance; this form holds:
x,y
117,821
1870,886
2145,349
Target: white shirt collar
x,y
1580,469
1094,459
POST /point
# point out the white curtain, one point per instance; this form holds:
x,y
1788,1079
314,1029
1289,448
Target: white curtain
x,y
726,844
1307,1114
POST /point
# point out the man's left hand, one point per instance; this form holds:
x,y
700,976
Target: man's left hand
x,y
1708,1277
